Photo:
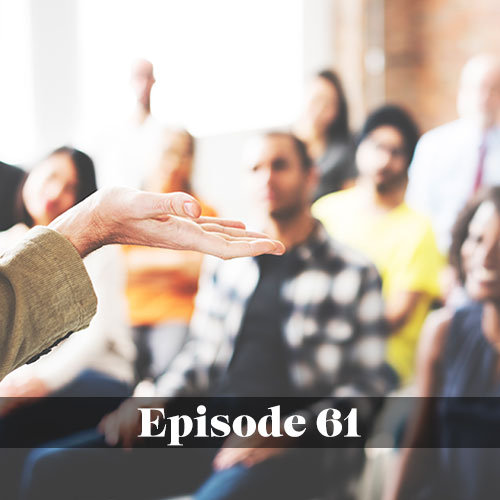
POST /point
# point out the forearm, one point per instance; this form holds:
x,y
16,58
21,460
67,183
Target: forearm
x,y
399,309
45,293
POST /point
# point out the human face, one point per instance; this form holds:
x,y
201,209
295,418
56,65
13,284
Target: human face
x,y
279,182
479,92
175,163
50,189
381,158
142,80
322,105
481,255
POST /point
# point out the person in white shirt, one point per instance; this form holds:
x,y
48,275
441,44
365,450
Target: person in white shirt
x,y
126,154
95,362
454,160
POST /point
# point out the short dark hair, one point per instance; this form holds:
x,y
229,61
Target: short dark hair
x,y
339,128
460,230
85,170
397,117
300,147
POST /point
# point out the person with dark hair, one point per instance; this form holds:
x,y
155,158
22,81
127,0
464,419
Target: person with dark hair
x,y
97,361
307,323
62,179
125,153
45,292
324,127
11,179
374,218
458,363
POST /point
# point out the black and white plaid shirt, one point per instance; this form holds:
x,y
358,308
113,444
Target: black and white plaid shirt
x,y
333,327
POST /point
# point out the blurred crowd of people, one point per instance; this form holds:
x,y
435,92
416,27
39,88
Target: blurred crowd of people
x,y
391,281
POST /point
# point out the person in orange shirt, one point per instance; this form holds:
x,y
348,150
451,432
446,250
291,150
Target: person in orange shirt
x,y
162,284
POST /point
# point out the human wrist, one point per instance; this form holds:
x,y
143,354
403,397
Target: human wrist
x,y
82,227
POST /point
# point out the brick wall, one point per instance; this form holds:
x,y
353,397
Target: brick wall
x,y
426,45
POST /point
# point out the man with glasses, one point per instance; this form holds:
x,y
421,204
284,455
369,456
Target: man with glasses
x,y
374,218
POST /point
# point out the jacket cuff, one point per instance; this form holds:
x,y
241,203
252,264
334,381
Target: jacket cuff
x,y
52,291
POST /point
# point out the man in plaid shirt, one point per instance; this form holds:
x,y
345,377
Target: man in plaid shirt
x,y
309,323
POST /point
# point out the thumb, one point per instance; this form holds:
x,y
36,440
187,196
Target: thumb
x,y
180,204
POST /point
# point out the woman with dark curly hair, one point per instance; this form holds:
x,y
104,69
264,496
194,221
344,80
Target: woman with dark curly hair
x,y
459,362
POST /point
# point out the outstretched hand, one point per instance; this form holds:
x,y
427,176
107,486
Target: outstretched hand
x,y
128,216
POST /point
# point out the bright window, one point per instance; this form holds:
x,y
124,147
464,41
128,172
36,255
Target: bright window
x,y
221,65
17,126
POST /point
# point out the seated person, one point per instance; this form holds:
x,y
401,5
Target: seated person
x,y
97,361
374,218
451,450
10,179
308,323
324,127
162,284
453,160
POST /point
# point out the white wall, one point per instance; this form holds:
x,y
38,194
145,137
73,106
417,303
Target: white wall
x,y
55,71
54,65
219,169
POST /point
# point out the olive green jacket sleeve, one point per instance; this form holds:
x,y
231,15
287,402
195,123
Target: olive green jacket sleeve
x,y
45,293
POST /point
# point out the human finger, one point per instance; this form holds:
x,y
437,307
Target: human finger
x,y
228,457
227,247
237,247
253,248
108,426
260,455
128,434
217,228
162,205
228,237
128,427
223,222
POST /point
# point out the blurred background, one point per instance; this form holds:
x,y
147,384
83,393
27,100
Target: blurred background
x,y
223,68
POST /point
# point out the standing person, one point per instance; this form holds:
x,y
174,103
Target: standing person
x,y
324,127
308,323
127,155
374,218
10,179
452,161
458,377
162,284
142,79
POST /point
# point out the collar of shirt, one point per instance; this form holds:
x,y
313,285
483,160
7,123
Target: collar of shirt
x,y
314,246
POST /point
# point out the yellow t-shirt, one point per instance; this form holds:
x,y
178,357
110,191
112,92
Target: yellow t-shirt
x,y
402,245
